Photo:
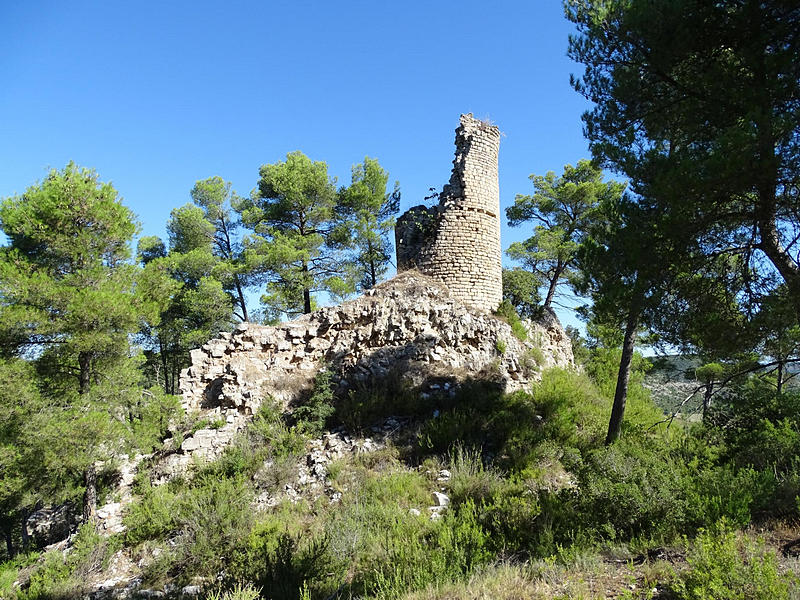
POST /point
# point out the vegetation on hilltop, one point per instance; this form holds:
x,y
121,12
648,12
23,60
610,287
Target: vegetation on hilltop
x,y
584,479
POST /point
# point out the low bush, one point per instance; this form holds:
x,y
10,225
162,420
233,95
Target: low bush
x,y
10,571
723,491
312,414
213,518
152,418
270,429
470,479
206,520
381,540
61,575
452,548
723,566
564,409
508,313
237,592
515,523
631,489
372,400
154,515
267,451
286,570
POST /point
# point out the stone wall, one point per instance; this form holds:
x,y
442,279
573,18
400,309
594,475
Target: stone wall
x,y
458,241
411,324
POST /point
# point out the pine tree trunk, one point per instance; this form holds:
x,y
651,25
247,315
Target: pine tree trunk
x,y
24,532
9,542
707,399
85,376
551,291
780,377
240,294
163,356
90,495
621,392
306,291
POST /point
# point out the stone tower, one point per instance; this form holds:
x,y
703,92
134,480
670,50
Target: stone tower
x,y
458,241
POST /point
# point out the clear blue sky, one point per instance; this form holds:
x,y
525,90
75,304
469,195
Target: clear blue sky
x,y
155,96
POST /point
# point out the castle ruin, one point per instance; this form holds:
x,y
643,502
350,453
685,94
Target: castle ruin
x,y
432,323
457,242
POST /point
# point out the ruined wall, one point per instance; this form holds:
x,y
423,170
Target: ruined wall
x,y
411,324
458,241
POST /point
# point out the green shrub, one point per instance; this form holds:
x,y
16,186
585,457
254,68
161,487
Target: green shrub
x,y
287,569
508,313
723,491
631,490
565,408
470,479
481,416
371,400
240,459
154,515
516,524
766,444
722,567
572,411
377,540
152,419
66,575
238,592
214,517
532,359
52,576
455,545
198,424
10,569
268,428
210,520
314,412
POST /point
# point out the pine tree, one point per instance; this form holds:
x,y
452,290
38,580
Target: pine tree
x,y
296,238
68,298
371,209
562,209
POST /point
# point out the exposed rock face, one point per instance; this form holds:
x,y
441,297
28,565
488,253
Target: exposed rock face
x,y
458,241
51,524
411,323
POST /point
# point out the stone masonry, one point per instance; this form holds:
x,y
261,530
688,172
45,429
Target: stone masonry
x,y
411,323
457,242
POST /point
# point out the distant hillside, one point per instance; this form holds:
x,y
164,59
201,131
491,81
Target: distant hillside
x,y
671,380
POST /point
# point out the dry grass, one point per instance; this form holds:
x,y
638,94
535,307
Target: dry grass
x,y
617,575
588,578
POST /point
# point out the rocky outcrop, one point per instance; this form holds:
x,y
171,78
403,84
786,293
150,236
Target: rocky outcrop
x,y
51,524
410,324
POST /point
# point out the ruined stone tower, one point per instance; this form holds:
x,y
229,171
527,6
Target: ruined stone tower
x,y
458,241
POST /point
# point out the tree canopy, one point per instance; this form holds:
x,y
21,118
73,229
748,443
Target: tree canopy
x,y
562,209
697,103
295,235
370,209
66,286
